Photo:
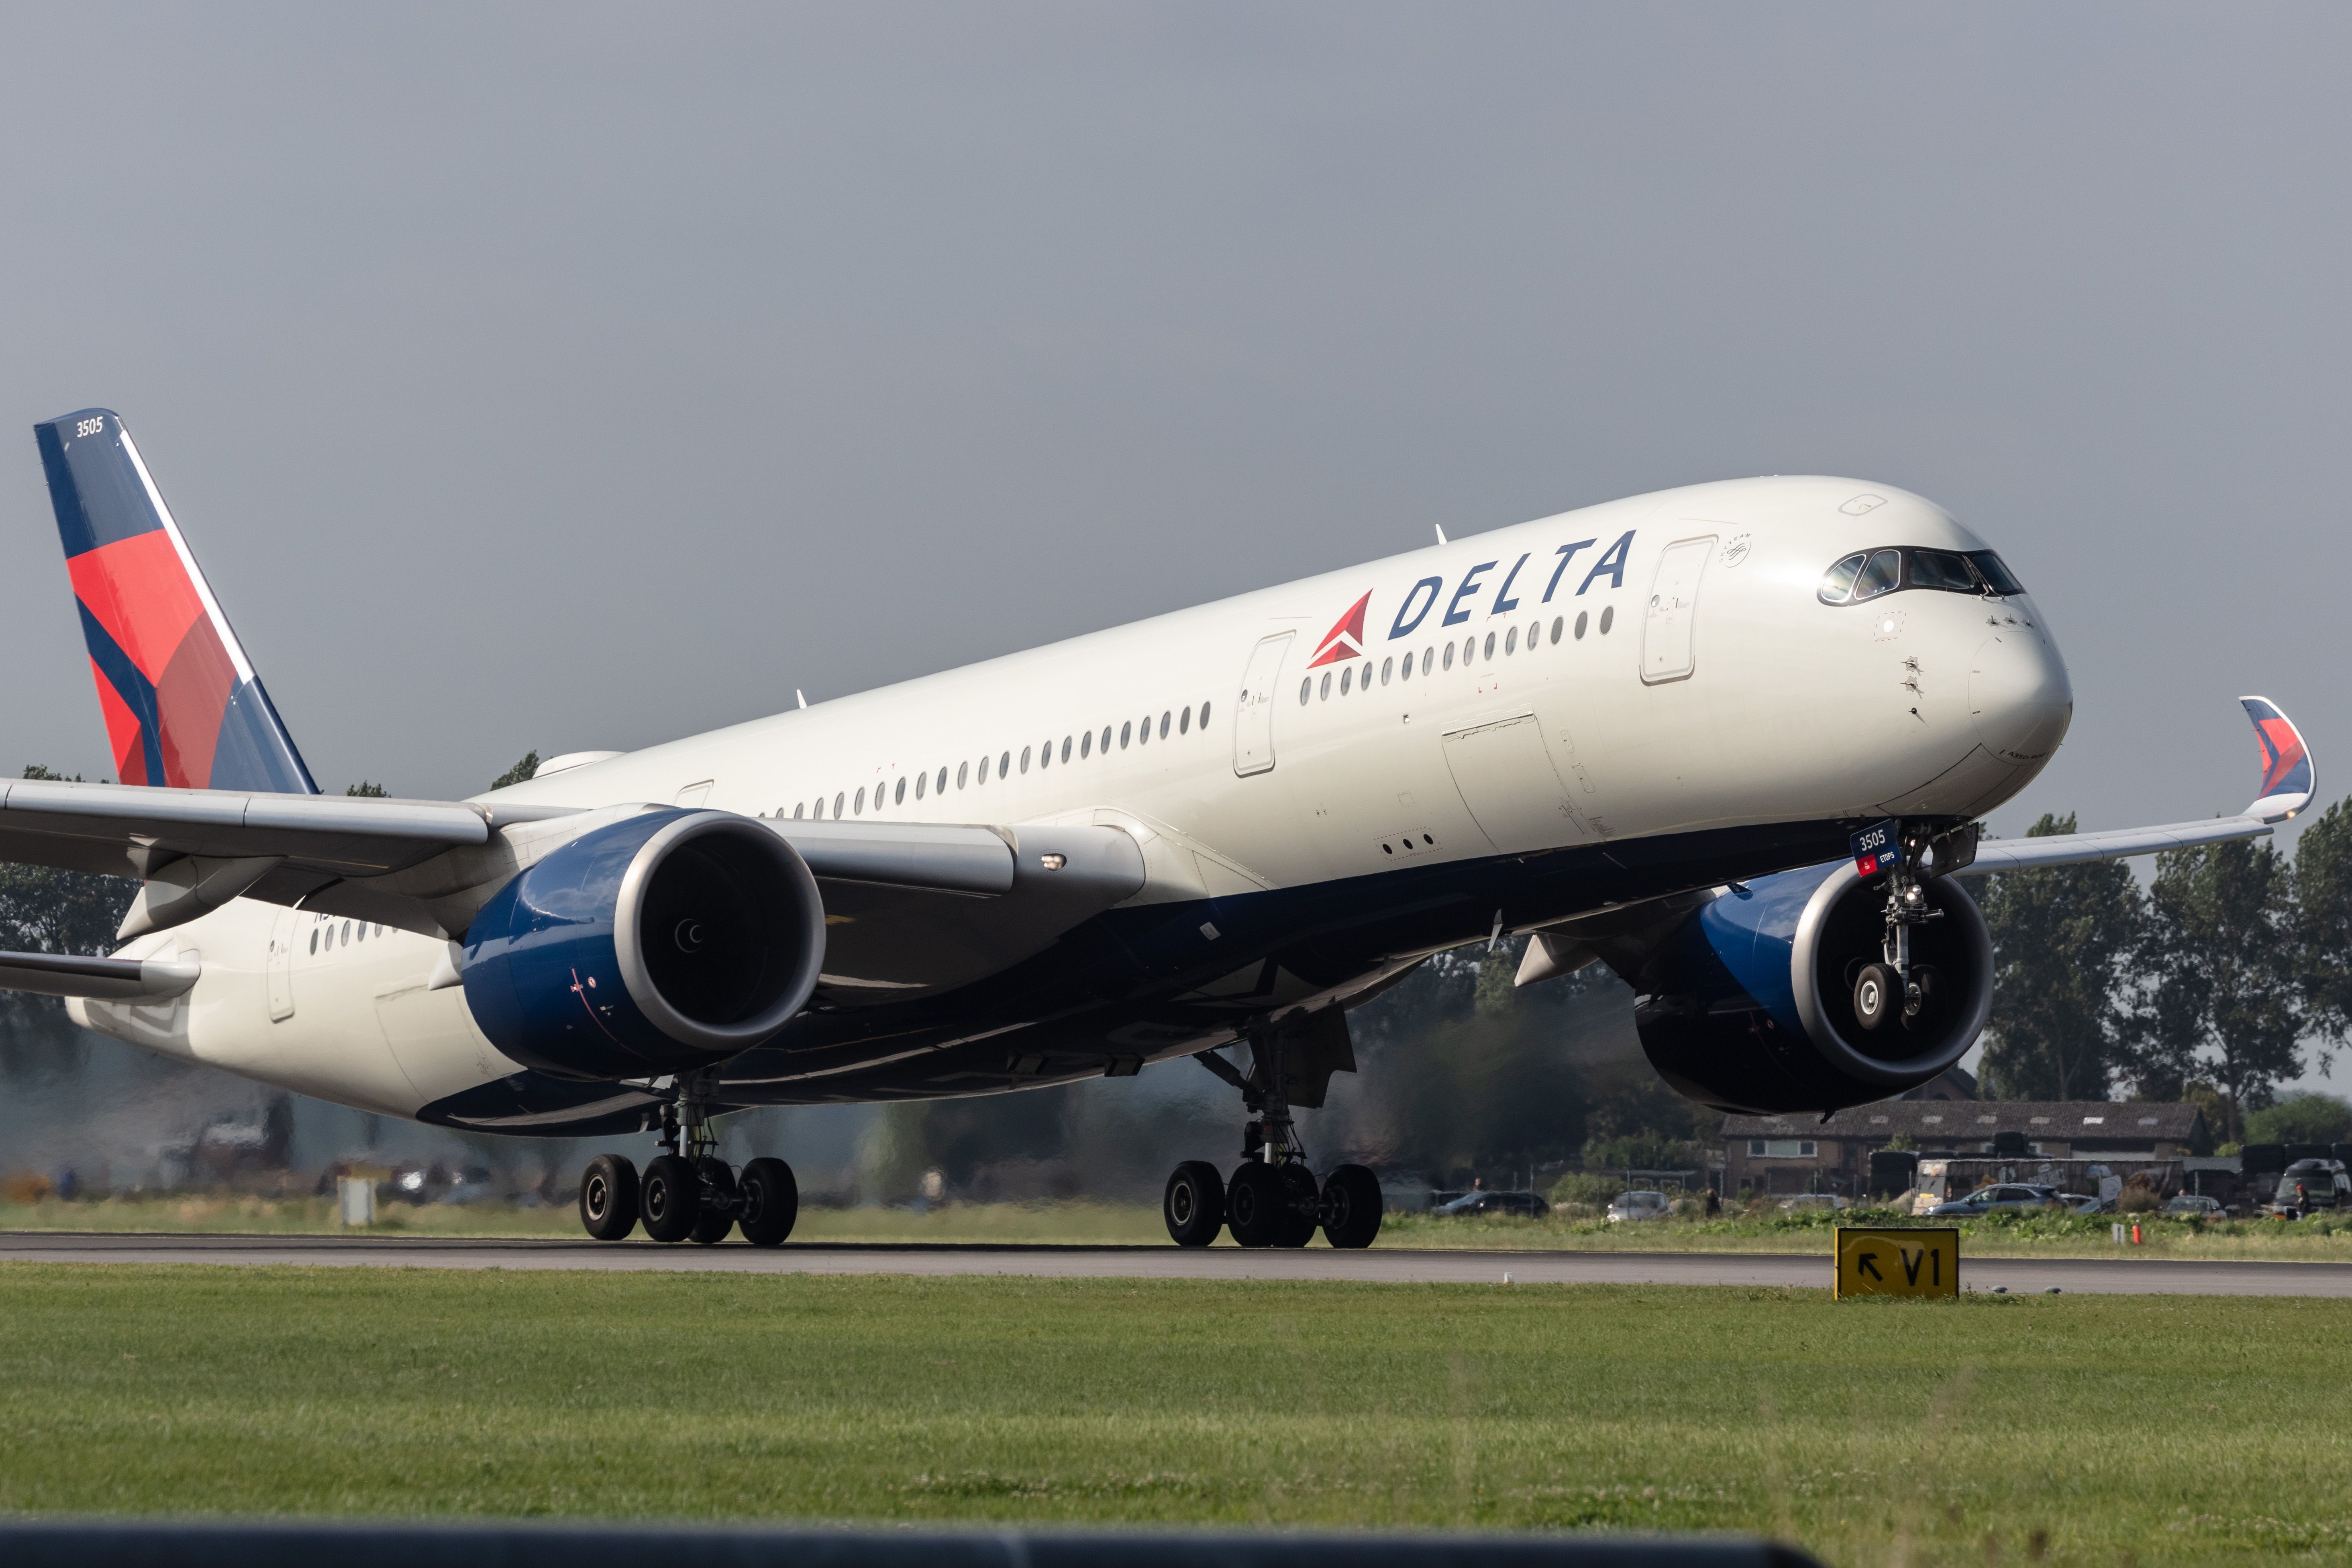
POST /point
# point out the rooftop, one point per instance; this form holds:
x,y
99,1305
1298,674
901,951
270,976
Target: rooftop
x,y
1936,1121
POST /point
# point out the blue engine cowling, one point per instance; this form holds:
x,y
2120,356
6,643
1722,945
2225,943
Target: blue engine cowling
x,y
1748,1005
663,943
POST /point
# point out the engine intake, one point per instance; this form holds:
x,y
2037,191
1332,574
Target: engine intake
x,y
659,943
1748,1005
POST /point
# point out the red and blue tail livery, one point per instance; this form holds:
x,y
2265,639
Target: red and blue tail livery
x,y
181,702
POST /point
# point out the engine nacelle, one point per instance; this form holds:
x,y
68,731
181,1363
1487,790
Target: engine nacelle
x,y
660,944
1748,1005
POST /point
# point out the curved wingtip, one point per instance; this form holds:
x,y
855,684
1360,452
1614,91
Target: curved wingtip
x,y
2289,778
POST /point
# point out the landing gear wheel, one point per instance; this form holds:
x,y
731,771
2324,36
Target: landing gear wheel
x,y
1194,1203
1351,1207
768,1201
717,1215
1877,996
1254,1202
608,1198
1301,1199
1922,1015
669,1198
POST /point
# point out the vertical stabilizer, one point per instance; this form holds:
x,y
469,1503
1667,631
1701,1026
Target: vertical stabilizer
x,y
183,704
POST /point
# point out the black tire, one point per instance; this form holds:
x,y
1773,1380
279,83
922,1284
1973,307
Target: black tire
x,y
717,1216
1194,1203
1302,1198
669,1197
1877,996
1254,1204
1351,1207
608,1198
769,1201
1925,978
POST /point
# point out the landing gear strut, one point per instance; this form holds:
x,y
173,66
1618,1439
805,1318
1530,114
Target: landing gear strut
x,y
1273,1199
687,1193
1896,987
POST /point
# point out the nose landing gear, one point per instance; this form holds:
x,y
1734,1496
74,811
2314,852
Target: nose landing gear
x,y
1273,1198
1896,988
687,1193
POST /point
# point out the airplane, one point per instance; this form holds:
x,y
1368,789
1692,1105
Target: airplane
x,y
1734,741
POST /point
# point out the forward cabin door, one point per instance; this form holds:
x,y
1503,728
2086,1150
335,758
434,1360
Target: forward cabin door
x,y
1667,652
1254,714
282,966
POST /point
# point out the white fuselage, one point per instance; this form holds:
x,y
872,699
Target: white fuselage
x,y
1694,682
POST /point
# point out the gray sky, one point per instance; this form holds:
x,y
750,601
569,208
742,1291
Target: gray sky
x,y
582,377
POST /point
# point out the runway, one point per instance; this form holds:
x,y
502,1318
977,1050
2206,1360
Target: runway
x,y
2073,1276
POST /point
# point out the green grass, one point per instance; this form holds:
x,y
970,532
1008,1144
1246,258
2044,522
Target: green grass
x,y
2089,1429
2001,1235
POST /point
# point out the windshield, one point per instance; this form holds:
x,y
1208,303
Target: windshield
x,y
1867,574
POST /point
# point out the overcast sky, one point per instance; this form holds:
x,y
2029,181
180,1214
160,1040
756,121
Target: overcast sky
x,y
582,377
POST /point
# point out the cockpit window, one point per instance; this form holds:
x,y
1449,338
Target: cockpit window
x,y
1868,573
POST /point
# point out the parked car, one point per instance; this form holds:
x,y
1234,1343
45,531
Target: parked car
x,y
1639,1206
2186,1203
1528,1205
1814,1200
2002,1195
2308,1186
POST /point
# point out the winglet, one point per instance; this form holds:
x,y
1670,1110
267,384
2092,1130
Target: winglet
x,y
2289,780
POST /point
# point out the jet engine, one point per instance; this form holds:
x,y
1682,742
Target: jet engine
x,y
660,944
1771,996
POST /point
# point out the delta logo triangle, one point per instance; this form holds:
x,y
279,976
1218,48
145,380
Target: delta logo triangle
x,y
1345,641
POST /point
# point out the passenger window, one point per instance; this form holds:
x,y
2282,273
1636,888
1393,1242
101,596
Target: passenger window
x,y
1143,731
1838,581
1608,618
314,939
1490,648
899,793
1126,734
1510,641
1106,740
1449,656
1426,657
1184,719
963,771
1557,622
1386,665
941,786
797,808
1882,574
347,934
860,807
922,782
1404,670
1579,625
1204,715
837,799
1306,691
1025,758
1326,692
362,930
1534,635
819,813
1004,764
1347,677
1065,748
1087,744
1166,718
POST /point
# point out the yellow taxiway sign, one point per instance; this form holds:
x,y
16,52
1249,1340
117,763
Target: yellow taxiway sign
x,y
1897,1262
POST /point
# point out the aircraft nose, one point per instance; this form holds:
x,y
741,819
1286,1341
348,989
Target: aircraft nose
x,y
2019,696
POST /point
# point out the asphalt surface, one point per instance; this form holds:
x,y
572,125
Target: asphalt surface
x,y
2130,1276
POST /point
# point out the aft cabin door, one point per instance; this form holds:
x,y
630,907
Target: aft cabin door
x,y
282,966
1666,644
1254,713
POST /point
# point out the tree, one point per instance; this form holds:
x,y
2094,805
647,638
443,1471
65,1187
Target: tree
x,y
2219,993
521,772
2302,1119
2323,921
2062,939
374,791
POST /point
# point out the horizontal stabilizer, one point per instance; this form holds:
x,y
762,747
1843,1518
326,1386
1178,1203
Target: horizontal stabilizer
x,y
2288,781
99,979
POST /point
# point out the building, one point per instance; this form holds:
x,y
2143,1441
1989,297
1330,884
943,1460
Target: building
x,y
1805,1153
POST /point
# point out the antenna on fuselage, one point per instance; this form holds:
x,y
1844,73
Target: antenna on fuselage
x,y
797,692
1441,532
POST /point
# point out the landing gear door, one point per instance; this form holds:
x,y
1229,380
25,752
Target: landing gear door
x,y
282,966
1668,650
1254,713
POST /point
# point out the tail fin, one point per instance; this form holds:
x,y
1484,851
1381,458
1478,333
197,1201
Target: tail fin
x,y
181,702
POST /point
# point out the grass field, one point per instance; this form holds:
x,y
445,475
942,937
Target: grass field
x,y
2321,1239
2145,1431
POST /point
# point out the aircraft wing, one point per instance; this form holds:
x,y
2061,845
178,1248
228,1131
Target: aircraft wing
x,y
2288,782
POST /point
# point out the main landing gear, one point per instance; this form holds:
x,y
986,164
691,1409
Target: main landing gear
x,y
687,1193
1272,1199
